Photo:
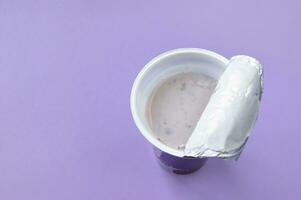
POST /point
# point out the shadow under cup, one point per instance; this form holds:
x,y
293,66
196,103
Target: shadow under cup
x,y
154,73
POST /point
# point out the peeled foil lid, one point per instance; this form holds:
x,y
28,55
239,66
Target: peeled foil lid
x,y
230,115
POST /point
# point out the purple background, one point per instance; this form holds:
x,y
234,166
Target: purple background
x,y
66,71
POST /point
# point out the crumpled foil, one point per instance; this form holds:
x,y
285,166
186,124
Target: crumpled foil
x,y
231,113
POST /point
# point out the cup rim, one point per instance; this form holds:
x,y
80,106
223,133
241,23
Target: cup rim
x,y
141,75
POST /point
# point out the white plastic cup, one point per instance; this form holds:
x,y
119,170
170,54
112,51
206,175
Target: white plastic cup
x,y
157,70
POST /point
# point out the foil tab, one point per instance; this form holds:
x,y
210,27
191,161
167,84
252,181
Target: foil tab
x,y
231,113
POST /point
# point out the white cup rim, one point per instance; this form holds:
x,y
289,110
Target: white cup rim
x,y
141,75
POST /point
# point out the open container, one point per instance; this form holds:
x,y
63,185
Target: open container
x,y
154,73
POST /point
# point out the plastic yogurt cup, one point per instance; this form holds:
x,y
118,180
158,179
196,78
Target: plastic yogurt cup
x,y
168,64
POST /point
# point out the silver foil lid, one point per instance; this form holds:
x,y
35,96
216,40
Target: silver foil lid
x,y
227,121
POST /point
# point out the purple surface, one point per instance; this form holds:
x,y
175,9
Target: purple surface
x,y
66,70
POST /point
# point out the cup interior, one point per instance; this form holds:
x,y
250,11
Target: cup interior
x,y
159,69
